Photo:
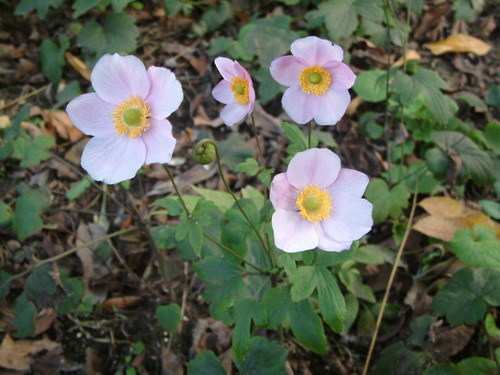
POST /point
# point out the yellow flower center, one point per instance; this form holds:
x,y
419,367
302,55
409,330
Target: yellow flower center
x,y
131,117
315,80
239,87
314,203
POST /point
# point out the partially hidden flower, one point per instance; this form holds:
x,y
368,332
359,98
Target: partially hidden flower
x,y
317,81
126,115
235,91
319,204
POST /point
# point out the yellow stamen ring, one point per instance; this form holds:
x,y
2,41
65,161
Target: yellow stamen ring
x,y
239,87
131,117
314,204
315,80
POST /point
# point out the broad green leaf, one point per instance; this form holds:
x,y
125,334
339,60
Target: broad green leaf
x,y
24,317
371,85
304,282
74,289
41,7
27,215
234,150
78,188
398,359
40,286
83,6
467,10
307,327
245,310
477,366
70,91
251,193
120,5
221,199
477,247
205,363
249,167
268,88
5,279
465,298
351,278
263,357
387,202
493,96
213,18
491,208
52,58
195,237
476,163
277,303
492,136
491,326
169,316
340,18
172,7
331,300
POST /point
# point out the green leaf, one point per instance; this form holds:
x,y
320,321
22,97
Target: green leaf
x,y
477,247
307,327
303,283
120,5
24,317
5,214
467,10
476,163
74,289
169,316
277,303
78,188
83,6
268,88
477,366
221,199
118,34
493,96
195,237
245,310
465,298
296,138
52,58
40,286
32,151
249,167
387,202
340,18
331,300
234,150
41,6
5,279
492,136
27,216
205,363
264,357
70,91
398,359
182,230
213,18
371,85
492,208
172,7
491,326
351,278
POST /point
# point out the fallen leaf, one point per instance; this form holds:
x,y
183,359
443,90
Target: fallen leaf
x,y
171,364
44,320
4,122
449,341
92,267
120,302
459,43
410,55
202,119
77,64
61,123
210,334
447,215
18,355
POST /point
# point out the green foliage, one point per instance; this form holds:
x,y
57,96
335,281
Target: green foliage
x,y
307,327
387,202
492,136
82,6
371,85
213,18
27,215
465,298
477,247
205,363
41,6
118,33
397,359
52,58
169,316
5,279
263,357
78,188
24,321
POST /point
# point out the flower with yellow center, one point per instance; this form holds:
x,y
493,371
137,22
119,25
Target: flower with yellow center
x,y
239,87
314,203
315,80
131,117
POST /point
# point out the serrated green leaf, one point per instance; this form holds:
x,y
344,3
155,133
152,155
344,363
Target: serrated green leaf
x,y
304,283
331,300
78,188
263,357
340,17
477,247
169,316
307,327
249,167
398,359
83,6
371,85
386,202
40,285
205,363
29,206
52,58
24,317
41,7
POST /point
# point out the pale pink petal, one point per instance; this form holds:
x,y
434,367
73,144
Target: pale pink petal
x,y
297,105
329,244
165,95
226,68
222,92
286,70
329,108
113,159
316,166
342,76
234,113
282,194
116,78
316,51
91,115
351,218
349,181
160,142
292,233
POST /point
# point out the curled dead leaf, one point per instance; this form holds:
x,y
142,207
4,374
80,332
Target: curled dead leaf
x,y
118,303
410,55
78,65
18,355
60,122
447,215
459,43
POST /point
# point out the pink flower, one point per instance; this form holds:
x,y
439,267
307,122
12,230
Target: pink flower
x,y
317,81
235,90
319,204
126,117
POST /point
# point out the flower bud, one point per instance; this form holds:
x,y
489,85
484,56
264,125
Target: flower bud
x,y
205,152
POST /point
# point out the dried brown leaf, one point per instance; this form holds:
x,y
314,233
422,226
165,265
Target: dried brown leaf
x,y
77,64
459,43
18,355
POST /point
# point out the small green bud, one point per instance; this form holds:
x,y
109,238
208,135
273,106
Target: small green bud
x,y
205,152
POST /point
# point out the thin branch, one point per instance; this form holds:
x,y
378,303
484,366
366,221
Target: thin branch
x,y
24,97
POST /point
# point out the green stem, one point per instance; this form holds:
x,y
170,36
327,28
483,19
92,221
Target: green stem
x,y
206,235
309,133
